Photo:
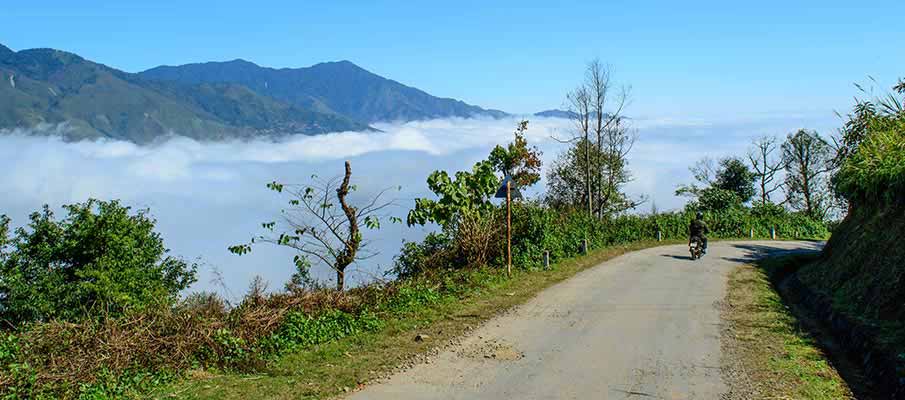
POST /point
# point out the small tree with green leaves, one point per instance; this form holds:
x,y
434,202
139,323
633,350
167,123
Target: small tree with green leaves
x,y
735,176
518,160
100,257
468,191
726,184
322,227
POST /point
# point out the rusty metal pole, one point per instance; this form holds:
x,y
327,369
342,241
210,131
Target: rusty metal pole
x,y
509,227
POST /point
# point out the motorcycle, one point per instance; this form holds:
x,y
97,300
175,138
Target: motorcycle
x,y
696,248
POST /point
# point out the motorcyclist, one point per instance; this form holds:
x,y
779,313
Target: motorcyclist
x,y
698,229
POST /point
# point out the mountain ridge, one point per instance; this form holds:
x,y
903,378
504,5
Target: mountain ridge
x,y
48,86
341,86
214,100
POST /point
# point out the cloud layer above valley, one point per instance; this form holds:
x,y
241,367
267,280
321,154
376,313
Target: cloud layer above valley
x,y
207,196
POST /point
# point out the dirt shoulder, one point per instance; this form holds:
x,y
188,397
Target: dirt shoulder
x,y
769,352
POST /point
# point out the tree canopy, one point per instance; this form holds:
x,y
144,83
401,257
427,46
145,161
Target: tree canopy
x,y
101,256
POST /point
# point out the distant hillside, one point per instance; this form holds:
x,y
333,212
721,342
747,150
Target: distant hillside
x,y
46,86
341,87
50,89
555,114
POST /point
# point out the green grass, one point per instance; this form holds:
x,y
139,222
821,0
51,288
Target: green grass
x,y
777,352
328,369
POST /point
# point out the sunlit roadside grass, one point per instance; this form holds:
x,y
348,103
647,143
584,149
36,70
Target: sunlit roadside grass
x,y
781,359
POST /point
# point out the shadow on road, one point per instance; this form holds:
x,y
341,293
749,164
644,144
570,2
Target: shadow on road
x,y
754,252
688,258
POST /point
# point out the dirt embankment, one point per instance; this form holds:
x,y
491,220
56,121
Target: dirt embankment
x,y
857,287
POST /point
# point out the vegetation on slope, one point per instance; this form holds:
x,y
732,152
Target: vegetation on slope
x,y
862,268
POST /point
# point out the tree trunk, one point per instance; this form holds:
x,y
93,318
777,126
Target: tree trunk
x,y
587,160
599,168
340,280
347,256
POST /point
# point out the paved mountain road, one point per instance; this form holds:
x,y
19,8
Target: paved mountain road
x,y
645,325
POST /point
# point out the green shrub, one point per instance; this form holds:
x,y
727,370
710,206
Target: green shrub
x,y
876,171
414,257
100,259
411,298
300,330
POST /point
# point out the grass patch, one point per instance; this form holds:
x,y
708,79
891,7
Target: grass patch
x,y
328,369
778,356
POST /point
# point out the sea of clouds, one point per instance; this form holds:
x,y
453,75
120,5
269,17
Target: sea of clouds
x,y
208,196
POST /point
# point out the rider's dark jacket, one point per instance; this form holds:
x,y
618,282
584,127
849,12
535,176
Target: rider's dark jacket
x,y
698,229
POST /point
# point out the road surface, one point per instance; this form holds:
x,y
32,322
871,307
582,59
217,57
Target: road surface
x,y
645,325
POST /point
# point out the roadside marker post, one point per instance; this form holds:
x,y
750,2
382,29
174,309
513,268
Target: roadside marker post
x,y
509,228
508,191
546,260
659,236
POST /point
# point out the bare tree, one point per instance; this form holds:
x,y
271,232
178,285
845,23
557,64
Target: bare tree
x,y
808,159
704,172
316,228
605,152
766,166
614,142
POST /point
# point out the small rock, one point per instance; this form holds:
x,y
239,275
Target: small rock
x,y
421,337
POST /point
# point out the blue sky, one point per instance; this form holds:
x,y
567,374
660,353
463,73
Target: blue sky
x,y
710,60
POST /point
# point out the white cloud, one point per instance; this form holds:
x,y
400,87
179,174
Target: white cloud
x,y
207,196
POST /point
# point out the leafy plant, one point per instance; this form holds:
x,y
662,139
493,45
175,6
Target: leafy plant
x,y
300,330
735,176
468,191
100,257
518,160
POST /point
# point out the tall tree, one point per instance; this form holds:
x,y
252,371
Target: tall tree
x,y
808,159
317,228
599,127
565,181
766,165
613,141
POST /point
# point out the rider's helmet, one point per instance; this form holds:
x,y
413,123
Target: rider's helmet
x,y
699,215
